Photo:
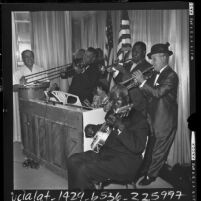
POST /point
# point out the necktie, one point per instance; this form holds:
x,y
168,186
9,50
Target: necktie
x,y
157,75
133,66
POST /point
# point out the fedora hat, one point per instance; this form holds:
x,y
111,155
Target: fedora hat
x,y
160,48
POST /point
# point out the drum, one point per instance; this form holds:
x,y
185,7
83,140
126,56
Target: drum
x,y
35,91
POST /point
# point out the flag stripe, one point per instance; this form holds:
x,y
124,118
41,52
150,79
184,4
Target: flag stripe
x,y
125,26
108,39
124,38
108,49
124,31
125,22
124,41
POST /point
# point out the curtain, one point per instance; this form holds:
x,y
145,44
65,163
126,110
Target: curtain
x,y
76,32
178,35
93,30
52,41
88,29
16,116
151,27
170,26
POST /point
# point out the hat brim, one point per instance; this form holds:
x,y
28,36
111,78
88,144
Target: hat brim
x,y
157,52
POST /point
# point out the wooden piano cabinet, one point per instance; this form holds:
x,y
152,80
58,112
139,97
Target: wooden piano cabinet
x,y
50,133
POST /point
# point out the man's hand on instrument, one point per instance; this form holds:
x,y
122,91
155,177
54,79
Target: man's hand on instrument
x,y
37,82
90,130
119,124
110,69
111,120
63,75
78,69
22,80
120,67
115,122
107,107
102,69
138,76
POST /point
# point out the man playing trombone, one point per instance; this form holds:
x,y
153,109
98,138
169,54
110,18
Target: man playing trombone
x,y
28,69
86,77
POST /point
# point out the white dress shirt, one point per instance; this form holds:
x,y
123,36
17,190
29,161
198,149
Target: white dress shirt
x,y
133,66
157,76
24,71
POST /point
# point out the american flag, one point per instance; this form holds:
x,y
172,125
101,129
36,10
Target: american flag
x,y
108,49
124,42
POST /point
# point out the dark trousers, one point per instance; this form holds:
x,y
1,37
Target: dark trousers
x,y
84,169
87,168
156,153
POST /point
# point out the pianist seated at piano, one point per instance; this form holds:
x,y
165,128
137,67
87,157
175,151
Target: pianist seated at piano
x,y
29,68
119,155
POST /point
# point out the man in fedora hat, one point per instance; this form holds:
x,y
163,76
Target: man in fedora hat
x,y
161,93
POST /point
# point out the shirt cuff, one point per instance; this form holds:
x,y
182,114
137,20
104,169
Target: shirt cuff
x,y
115,73
142,84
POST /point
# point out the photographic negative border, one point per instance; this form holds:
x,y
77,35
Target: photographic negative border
x,y
7,73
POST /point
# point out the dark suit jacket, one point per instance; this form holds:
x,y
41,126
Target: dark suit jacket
x,y
132,140
137,97
123,152
162,101
83,84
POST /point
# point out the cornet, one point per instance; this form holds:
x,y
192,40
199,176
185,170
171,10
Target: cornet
x,y
132,82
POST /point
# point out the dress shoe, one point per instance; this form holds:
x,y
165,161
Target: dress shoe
x,y
146,180
138,176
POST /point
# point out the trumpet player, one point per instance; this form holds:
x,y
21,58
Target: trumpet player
x,y
125,72
161,93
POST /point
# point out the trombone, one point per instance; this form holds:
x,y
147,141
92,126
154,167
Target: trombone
x,y
49,74
132,82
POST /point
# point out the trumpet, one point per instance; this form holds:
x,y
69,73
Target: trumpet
x,y
111,67
132,82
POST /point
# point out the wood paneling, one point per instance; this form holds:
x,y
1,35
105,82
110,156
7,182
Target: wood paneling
x,y
50,134
49,111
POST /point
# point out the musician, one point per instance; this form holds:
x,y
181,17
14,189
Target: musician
x,y
85,81
161,93
125,72
101,64
28,69
77,65
99,57
120,157
100,96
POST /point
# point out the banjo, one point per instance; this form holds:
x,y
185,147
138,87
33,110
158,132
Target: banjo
x,y
102,134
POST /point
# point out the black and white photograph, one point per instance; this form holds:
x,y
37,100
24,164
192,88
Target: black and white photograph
x,y
101,96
